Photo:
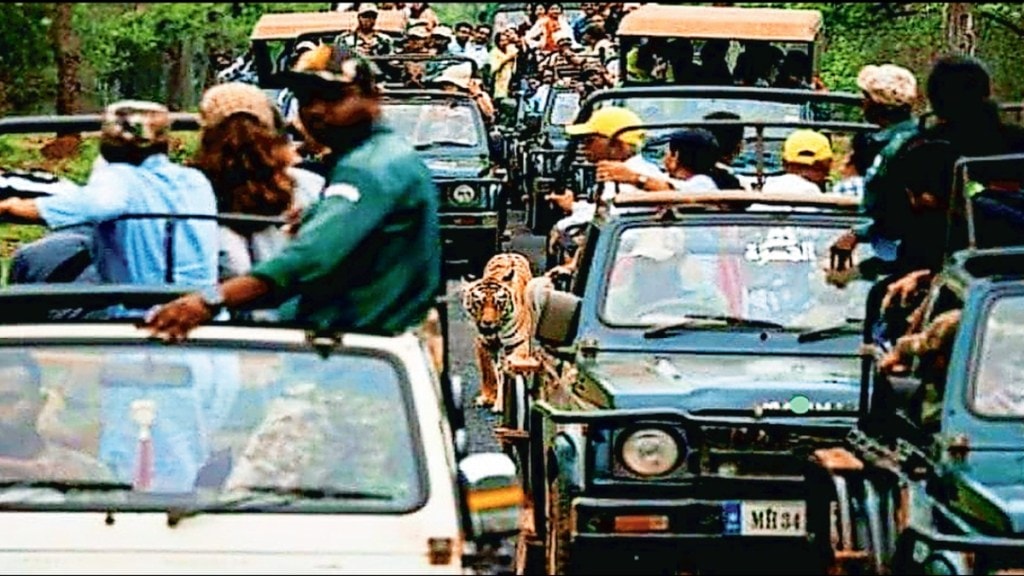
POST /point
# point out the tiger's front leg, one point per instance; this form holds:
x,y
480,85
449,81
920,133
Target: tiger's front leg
x,y
485,363
521,351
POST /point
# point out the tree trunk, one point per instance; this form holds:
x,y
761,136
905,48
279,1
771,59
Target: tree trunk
x,y
68,56
960,32
179,76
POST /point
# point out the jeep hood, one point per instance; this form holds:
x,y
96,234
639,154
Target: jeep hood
x,y
245,543
722,383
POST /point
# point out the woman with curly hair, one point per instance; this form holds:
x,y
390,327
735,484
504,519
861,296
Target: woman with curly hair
x,y
252,167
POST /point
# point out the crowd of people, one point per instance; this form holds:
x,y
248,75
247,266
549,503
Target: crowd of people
x,y
363,218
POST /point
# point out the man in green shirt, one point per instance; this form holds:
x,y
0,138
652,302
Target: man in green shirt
x,y
367,256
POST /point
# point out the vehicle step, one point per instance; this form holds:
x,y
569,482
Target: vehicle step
x,y
503,433
838,459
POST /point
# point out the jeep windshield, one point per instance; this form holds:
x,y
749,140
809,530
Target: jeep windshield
x,y
746,276
564,106
439,127
146,427
996,390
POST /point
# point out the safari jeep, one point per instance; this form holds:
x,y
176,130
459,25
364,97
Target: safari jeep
x,y
934,473
275,35
256,446
251,448
448,131
769,113
682,384
658,24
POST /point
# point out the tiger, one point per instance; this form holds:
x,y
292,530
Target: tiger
x,y
498,305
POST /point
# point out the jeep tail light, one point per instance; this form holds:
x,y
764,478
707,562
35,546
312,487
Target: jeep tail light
x,y
440,551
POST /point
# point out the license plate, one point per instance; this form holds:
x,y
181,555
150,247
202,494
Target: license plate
x,y
765,518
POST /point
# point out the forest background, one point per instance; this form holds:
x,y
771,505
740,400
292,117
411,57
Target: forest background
x,y
77,57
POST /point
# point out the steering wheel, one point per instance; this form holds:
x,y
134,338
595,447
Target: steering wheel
x,y
683,306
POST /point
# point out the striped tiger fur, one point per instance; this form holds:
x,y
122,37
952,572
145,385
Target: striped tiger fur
x,y
498,305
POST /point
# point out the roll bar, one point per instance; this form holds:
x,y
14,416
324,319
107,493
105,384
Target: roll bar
x,y
959,195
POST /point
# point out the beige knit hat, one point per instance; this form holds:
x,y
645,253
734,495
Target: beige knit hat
x,y
224,100
136,123
888,84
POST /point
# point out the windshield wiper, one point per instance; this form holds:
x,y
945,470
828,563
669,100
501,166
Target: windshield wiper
x,y
436,143
65,486
691,320
317,493
851,326
256,497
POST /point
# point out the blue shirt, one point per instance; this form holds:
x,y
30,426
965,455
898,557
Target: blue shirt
x,y
133,251
472,51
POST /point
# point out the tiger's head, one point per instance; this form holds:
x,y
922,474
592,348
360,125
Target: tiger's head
x,y
490,304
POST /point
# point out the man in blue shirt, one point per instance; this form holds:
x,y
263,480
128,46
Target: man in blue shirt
x,y
137,177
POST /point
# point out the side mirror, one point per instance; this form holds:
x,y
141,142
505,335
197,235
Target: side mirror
x,y
559,318
493,495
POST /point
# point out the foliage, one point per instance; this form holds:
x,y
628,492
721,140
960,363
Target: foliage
x,y
450,12
164,51
27,77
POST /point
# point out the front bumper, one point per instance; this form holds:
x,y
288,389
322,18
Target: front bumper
x,y
685,532
469,236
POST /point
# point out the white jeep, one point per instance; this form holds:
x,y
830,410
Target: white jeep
x,y
247,449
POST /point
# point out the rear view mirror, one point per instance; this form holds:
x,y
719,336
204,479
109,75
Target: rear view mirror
x,y
559,318
493,495
144,373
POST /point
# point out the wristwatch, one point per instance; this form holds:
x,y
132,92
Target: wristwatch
x,y
641,181
212,299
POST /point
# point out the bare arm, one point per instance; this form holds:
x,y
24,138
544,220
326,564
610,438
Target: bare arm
x,y
20,209
173,321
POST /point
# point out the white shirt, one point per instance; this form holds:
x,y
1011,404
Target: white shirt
x,y
583,211
694,184
477,53
790,184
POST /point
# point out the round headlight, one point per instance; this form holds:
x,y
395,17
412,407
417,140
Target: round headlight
x,y
650,452
463,194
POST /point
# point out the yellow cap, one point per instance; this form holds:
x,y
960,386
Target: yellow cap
x,y
608,121
806,147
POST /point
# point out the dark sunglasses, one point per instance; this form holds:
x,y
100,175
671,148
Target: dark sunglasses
x,y
324,91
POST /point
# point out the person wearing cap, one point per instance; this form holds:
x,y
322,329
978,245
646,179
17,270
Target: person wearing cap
x,y
603,139
441,39
422,11
563,57
365,39
454,123
251,166
889,92
459,79
807,160
417,38
689,160
285,99
367,256
136,177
